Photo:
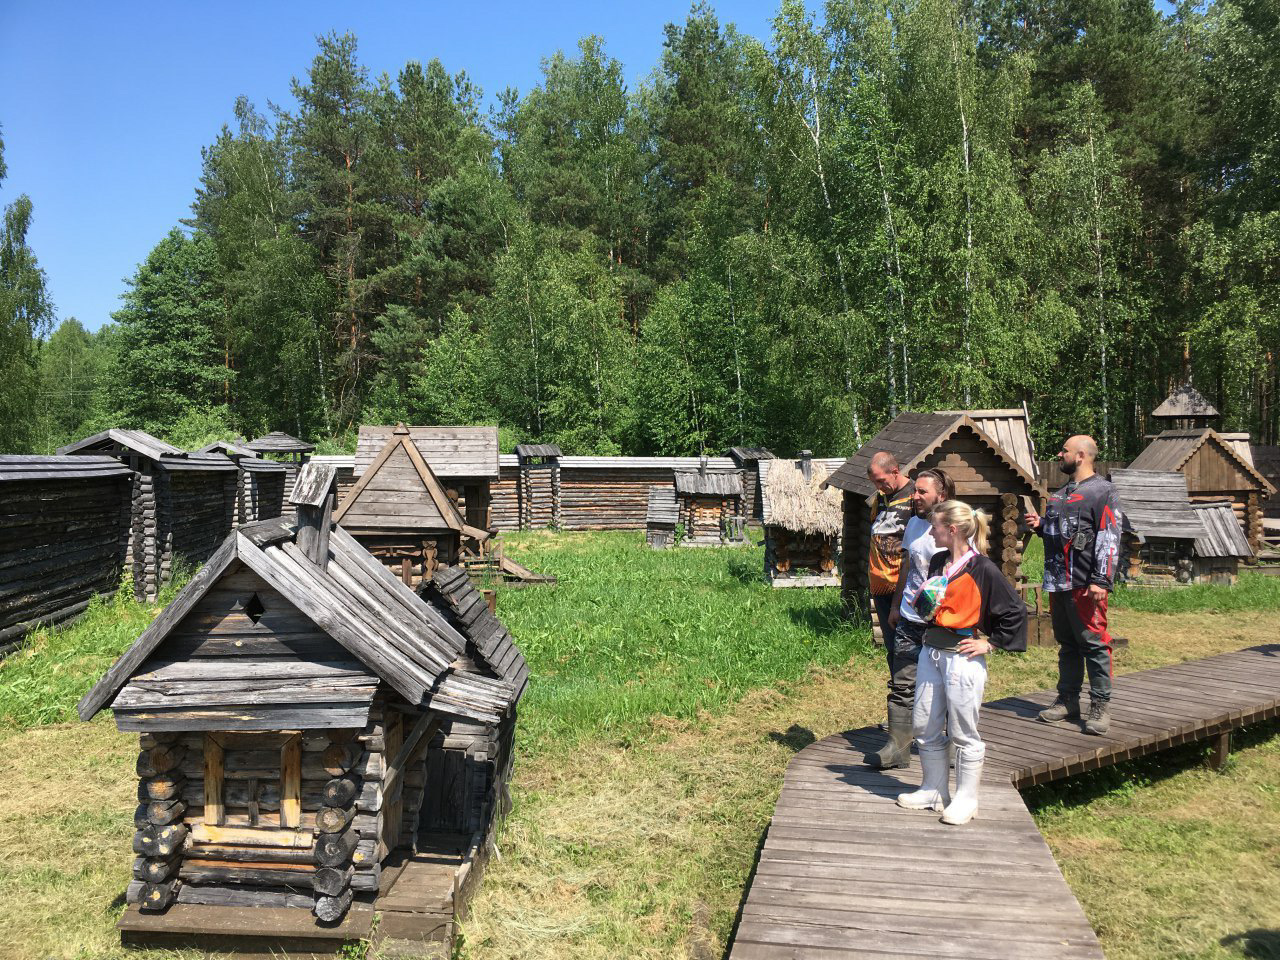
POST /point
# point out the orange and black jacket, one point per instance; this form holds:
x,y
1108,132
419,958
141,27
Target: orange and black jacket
x,y
979,598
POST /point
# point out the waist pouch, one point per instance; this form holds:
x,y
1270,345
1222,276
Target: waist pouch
x,y
941,638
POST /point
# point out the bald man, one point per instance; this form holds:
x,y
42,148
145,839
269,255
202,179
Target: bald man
x,y
1081,532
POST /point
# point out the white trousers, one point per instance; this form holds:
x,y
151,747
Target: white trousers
x,y
948,696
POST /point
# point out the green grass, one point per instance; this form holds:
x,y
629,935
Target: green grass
x,y
42,680
628,632
1253,591
1168,857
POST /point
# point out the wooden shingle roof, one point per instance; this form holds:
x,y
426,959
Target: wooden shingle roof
x,y
452,591
278,442
1156,504
742,454
694,483
663,510
451,451
1222,537
116,441
387,630
247,459
22,467
1173,448
537,450
1185,401
911,437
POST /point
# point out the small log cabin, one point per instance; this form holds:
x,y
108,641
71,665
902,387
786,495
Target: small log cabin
x,y
64,524
307,725
183,504
464,459
1215,470
802,522
1160,528
288,451
709,505
660,521
260,488
1222,547
399,511
985,474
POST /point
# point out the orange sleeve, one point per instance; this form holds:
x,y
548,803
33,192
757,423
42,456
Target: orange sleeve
x,y
961,605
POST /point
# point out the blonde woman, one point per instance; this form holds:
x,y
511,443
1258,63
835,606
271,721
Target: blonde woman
x,y
966,595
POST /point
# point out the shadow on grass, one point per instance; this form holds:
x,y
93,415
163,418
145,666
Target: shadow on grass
x,y
1085,788
1256,944
748,569
823,621
795,737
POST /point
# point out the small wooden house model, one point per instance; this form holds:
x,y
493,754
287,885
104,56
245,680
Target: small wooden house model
x,y
1222,547
802,522
1160,528
317,741
183,503
985,474
399,511
662,516
289,452
709,505
260,489
1215,470
464,459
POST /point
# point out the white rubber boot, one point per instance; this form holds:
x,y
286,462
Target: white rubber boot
x,y
965,803
932,794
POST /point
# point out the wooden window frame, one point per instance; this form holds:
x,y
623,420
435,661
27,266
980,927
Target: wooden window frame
x,y
215,810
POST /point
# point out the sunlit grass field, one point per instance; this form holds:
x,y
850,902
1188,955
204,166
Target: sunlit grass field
x,y
669,691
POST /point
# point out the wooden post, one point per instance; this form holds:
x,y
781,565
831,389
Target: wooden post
x,y
1221,750
214,812
291,782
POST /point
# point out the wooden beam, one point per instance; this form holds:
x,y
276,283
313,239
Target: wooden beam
x,y
291,782
214,811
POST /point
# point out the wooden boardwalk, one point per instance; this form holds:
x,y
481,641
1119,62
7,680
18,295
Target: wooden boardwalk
x,y
844,872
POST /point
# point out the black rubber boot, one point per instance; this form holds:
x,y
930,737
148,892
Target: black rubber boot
x,y
897,752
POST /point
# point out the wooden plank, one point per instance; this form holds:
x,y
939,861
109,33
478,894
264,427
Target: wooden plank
x,y
291,782
214,757
839,854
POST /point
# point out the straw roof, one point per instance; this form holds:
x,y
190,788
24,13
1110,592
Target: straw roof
x,y
800,505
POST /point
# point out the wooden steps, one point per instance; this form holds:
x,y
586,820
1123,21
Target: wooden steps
x,y
845,873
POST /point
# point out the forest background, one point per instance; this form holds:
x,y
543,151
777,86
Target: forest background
x,y
899,204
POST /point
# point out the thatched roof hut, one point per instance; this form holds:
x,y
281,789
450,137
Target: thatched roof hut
x,y
802,521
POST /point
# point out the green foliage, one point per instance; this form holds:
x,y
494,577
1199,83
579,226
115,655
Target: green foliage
x,y
169,361
25,316
893,205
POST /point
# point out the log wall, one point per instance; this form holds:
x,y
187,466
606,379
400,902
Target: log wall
x,y
597,497
64,542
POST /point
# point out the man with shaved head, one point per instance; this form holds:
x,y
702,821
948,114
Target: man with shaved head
x,y
1081,532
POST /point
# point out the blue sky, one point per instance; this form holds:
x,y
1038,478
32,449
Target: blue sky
x,y
105,106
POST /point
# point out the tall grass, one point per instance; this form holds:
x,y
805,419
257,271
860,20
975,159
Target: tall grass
x,y
42,681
